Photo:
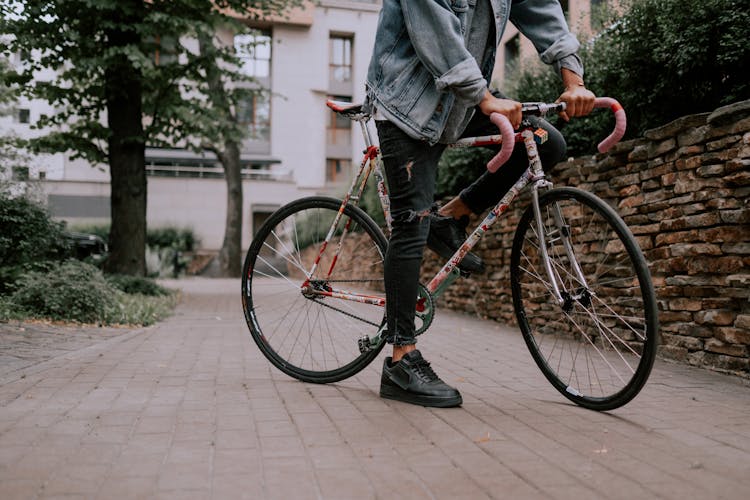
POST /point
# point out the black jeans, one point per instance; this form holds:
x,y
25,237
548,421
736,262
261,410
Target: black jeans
x,y
411,169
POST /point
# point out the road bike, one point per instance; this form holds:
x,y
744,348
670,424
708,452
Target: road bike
x,y
313,292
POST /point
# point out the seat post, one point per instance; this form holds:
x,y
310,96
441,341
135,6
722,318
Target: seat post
x,y
365,132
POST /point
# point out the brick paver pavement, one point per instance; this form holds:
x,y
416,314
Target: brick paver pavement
x,y
189,408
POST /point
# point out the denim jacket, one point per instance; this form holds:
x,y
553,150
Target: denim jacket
x,y
421,69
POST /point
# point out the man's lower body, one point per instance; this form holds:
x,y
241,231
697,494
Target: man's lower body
x,y
411,170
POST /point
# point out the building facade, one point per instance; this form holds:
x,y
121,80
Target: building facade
x,y
294,147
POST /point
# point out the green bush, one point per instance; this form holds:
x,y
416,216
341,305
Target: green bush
x,y
182,240
29,238
668,58
662,59
141,310
460,167
72,290
370,201
79,292
9,310
136,285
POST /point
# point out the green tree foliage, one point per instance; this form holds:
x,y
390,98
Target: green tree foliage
x,y
107,85
668,58
661,59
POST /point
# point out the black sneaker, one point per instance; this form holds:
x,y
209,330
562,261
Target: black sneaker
x,y
447,235
411,380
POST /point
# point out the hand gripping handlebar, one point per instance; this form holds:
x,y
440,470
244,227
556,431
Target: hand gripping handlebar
x,y
506,130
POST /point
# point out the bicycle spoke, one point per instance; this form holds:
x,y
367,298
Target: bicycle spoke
x,y
304,332
593,345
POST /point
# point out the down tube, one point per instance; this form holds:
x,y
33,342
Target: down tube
x,y
477,234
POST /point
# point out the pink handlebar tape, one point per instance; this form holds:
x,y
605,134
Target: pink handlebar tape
x,y
506,130
620,122
506,147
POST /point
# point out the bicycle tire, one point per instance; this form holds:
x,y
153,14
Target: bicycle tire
x,y
313,339
597,348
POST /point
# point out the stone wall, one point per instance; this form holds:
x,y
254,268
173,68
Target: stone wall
x,y
684,190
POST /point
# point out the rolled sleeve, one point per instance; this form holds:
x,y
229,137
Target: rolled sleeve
x,y
543,22
560,49
571,62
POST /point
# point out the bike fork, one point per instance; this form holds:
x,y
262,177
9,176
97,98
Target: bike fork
x,y
559,233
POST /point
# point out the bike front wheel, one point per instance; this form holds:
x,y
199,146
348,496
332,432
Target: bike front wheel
x,y
595,338
294,317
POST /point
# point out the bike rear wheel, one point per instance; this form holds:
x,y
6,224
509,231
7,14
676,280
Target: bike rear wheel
x,y
597,345
306,335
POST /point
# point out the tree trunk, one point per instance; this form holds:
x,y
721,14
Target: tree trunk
x,y
123,90
230,254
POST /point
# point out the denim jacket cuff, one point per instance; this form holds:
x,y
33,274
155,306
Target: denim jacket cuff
x,y
571,62
564,47
464,79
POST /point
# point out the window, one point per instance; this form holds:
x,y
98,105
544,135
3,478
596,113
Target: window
x,y
337,170
254,51
24,115
341,58
339,127
254,112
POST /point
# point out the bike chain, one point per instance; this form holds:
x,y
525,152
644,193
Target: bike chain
x,y
318,301
345,313
427,319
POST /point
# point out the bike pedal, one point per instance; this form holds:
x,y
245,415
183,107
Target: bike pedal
x,y
364,344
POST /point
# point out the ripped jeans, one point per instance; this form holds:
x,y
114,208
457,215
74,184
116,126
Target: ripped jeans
x,y
411,170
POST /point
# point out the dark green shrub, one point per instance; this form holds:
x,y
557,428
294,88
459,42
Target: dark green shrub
x,y
136,285
170,237
662,59
28,239
167,237
71,290
370,202
460,167
668,58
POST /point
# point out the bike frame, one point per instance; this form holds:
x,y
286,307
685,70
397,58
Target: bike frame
x,y
534,175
